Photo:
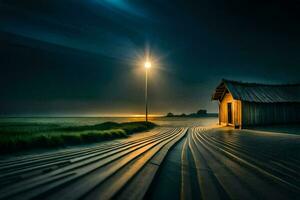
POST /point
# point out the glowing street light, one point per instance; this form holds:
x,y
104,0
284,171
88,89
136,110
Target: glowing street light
x,y
147,66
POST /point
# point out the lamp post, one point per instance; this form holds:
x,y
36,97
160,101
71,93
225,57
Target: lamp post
x,y
147,66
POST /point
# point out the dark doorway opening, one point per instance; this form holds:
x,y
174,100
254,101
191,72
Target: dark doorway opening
x,y
229,109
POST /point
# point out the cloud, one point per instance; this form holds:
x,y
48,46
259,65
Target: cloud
x,y
122,6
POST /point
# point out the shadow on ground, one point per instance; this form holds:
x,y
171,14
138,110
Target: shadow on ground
x,y
289,129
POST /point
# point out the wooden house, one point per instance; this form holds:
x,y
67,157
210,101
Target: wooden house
x,y
250,104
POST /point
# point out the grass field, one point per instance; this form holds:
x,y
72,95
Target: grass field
x,y
17,136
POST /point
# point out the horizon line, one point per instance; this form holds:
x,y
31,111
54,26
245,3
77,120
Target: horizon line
x,y
84,115
78,115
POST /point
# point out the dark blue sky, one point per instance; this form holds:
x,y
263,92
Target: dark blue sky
x,y
84,57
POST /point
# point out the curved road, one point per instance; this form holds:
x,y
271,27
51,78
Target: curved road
x,y
175,163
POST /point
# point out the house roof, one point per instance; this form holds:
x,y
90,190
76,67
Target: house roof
x,y
261,93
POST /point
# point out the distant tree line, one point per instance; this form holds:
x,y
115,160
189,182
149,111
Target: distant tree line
x,y
199,113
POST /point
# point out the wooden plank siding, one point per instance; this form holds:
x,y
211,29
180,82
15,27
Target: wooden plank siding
x,y
236,111
269,113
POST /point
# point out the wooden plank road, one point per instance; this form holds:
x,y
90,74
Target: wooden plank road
x,y
237,164
77,173
215,163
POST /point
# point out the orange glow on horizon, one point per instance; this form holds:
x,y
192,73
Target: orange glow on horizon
x,y
125,115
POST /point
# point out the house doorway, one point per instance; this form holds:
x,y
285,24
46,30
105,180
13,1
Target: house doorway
x,y
229,113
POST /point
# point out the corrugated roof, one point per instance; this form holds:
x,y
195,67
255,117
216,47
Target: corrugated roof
x,y
262,93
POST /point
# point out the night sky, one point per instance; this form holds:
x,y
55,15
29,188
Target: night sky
x,y
86,57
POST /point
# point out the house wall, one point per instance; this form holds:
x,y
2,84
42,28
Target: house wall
x,y
236,111
270,113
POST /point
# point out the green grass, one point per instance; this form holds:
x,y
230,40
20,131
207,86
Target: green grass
x,y
16,137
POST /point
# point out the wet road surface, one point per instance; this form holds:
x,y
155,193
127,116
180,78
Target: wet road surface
x,y
174,163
